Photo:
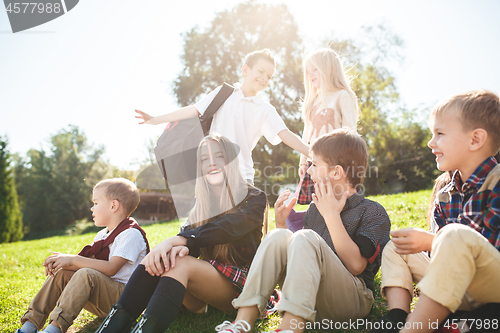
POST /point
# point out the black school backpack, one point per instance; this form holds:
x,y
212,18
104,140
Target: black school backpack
x,y
176,148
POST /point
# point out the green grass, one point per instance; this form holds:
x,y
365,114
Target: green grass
x,y
22,273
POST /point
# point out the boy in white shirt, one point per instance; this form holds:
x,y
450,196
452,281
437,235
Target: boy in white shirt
x,y
95,278
245,116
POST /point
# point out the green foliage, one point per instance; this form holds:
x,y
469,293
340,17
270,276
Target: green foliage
x,y
400,160
11,224
21,272
55,187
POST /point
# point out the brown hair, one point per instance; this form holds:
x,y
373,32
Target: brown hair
x,y
253,57
123,190
476,109
345,148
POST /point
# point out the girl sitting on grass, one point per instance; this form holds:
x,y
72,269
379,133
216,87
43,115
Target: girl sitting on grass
x,y
224,229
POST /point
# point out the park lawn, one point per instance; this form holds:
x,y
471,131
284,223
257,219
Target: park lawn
x,y
22,273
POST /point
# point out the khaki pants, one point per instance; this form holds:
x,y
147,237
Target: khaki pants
x,y
315,283
68,292
462,273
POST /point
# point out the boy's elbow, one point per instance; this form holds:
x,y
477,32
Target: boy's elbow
x,y
358,267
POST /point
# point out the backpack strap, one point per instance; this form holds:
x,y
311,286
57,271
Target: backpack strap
x,y
220,98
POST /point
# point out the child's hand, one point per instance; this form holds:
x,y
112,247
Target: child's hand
x,y
157,261
57,261
144,116
180,251
327,203
302,171
49,266
282,211
412,240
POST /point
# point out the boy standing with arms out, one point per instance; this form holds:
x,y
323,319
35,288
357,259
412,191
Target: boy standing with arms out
x,y
95,278
326,270
245,116
463,270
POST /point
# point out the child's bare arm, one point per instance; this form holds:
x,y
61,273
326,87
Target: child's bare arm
x,y
71,261
412,240
294,141
330,207
181,114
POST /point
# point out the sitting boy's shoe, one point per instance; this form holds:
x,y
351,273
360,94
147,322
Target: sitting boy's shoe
x,y
147,324
392,322
118,320
239,326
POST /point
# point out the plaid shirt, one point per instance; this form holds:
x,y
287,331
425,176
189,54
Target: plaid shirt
x,y
471,203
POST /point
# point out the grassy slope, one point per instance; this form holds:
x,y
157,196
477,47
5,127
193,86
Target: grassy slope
x,y
21,272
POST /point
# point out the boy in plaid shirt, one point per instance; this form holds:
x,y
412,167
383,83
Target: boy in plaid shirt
x,y
463,269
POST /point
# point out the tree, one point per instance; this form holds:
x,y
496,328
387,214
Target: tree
x,y
56,187
397,142
399,159
215,55
11,224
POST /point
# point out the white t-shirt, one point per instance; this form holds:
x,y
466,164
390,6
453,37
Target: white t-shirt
x,y
130,245
243,120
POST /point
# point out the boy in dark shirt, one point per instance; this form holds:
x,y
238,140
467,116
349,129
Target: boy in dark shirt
x,y
327,268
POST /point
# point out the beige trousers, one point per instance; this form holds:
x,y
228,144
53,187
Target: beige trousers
x,y
462,273
315,283
68,292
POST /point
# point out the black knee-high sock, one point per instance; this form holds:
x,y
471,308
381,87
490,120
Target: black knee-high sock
x,y
138,291
166,301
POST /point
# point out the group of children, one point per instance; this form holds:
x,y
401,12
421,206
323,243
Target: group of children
x,y
223,257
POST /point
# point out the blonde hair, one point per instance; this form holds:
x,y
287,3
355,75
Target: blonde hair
x,y
476,109
333,78
440,182
123,190
207,209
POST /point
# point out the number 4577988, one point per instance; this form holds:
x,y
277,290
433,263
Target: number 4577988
x,y
30,7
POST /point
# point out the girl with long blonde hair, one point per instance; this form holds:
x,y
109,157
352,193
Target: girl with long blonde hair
x,y
329,103
207,262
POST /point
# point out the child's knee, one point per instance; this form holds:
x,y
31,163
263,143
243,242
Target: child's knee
x,y
85,275
279,236
455,233
389,250
304,237
182,266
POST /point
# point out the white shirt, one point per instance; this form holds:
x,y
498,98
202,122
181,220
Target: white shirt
x,y
244,120
130,245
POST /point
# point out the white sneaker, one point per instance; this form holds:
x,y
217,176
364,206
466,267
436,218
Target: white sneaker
x,y
239,326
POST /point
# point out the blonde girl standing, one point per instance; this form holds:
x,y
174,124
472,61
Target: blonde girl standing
x,y
329,103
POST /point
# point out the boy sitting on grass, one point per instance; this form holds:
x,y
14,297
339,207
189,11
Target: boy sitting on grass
x,y
326,270
95,278
463,270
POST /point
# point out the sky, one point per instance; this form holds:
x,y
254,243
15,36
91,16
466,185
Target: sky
x,y
97,63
